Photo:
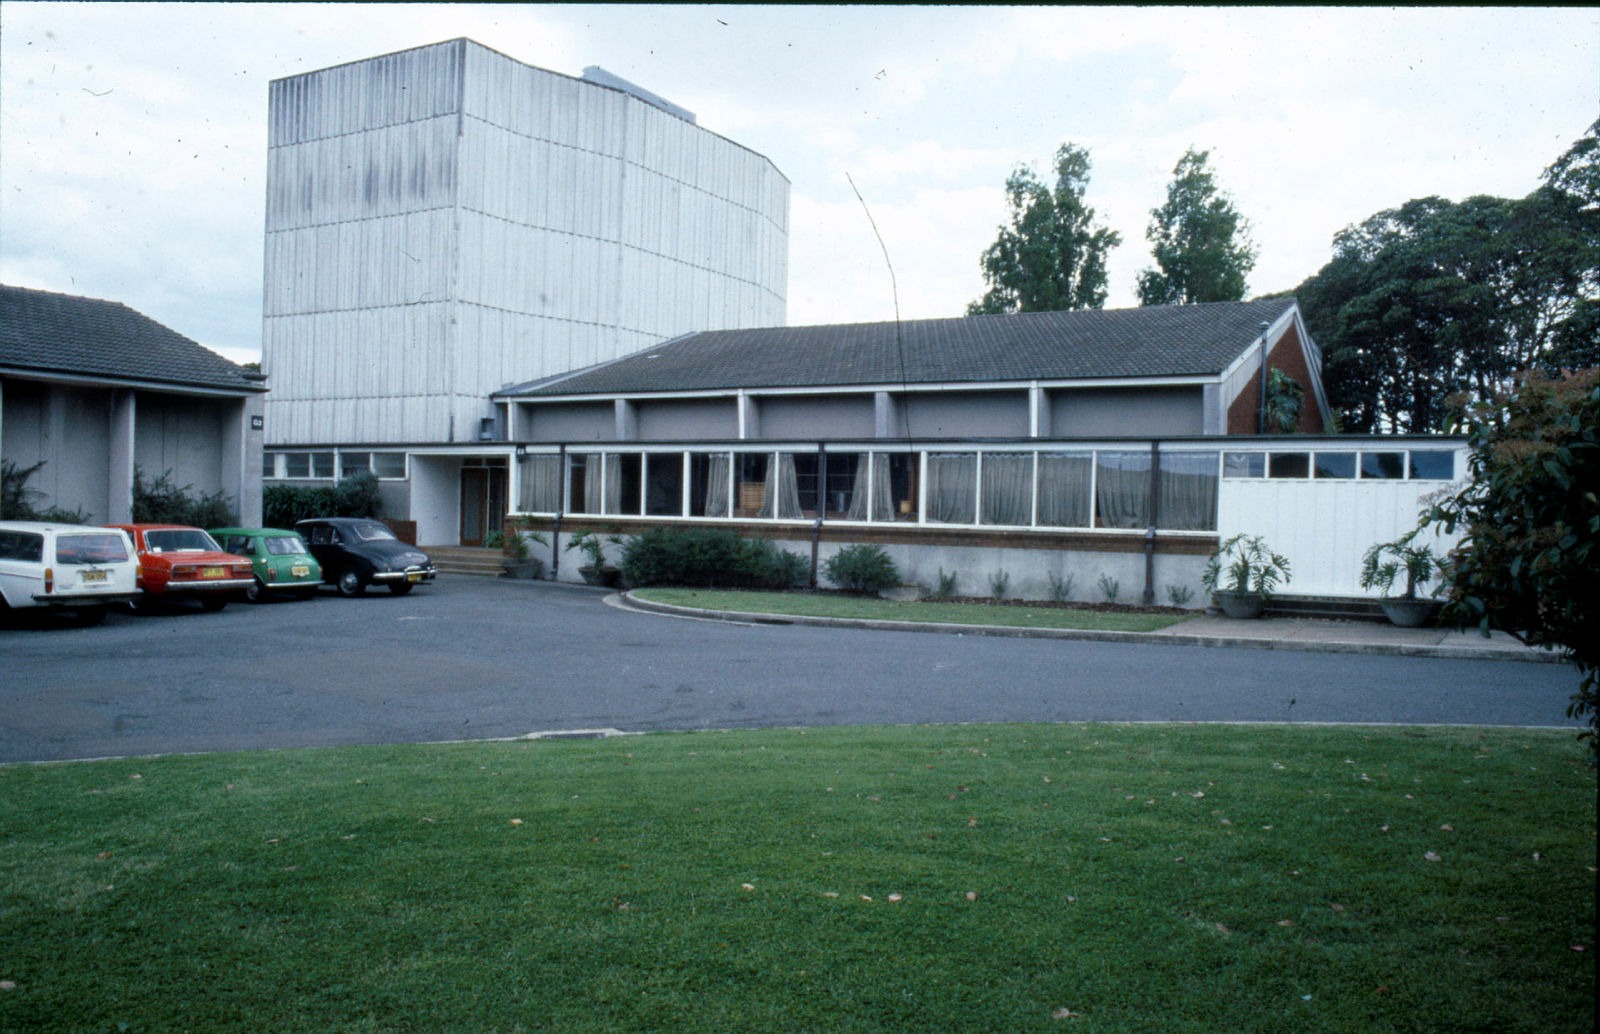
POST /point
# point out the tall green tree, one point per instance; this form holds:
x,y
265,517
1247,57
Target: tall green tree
x,y
1202,244
1051,256
1437,297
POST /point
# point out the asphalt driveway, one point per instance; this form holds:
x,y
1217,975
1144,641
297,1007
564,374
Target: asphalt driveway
x,y
471,658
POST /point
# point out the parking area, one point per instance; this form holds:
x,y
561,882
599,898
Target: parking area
x,y
471,658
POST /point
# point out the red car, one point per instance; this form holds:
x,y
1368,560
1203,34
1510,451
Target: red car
x,y
179,563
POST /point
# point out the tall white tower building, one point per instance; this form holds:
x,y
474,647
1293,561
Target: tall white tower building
x,y
445,221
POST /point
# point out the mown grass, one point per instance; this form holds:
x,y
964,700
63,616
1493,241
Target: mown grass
x,y
973,878
833,605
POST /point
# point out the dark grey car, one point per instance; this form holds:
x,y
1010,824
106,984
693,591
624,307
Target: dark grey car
x,y
356,552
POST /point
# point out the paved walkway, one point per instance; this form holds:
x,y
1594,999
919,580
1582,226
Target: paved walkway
x,y
1312,634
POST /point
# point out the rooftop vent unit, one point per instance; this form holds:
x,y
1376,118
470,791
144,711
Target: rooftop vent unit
x,y
600,77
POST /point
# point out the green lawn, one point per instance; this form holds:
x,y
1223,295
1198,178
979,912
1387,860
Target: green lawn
x,y
832,605
961,878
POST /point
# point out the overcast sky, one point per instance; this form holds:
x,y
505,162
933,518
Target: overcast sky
x,y
133,137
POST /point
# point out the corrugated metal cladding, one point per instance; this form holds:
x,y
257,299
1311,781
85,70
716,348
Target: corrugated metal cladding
x,y
445,221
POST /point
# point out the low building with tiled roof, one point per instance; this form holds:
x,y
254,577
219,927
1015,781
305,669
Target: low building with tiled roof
x,y
93,390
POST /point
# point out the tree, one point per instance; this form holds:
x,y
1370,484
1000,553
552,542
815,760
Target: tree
x,y
1202,244
1438,297
1529,560
1051,256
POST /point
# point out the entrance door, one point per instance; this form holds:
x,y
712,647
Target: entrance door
x,y
483,503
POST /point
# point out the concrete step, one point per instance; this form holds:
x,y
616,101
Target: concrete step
x,y
465,560
1344,608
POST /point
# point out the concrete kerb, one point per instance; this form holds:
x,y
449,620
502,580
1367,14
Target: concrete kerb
x,y
1355,643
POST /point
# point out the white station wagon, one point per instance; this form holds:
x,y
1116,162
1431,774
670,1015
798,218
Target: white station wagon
x,y
70,567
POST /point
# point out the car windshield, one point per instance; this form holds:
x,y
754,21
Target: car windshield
x,y
179,540
372,532
284,545
98,548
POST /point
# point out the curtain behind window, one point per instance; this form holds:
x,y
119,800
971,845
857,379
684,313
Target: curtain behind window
x,y
872,470
613,482
952,487
591,482
541,484
1122,489
1186,491
717,469
1064,480
1007,488
783,490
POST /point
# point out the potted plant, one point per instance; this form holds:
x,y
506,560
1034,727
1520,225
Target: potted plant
x,y
1382,566
1242,574
592,545
519,563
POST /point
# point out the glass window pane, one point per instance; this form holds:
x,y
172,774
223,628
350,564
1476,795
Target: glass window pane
x,y
1064,479
750,483
1289,465
708,484
1336,465
354,463
322,464
953,487
664,484
1122,489
583,482
808,480
1244,464
1007,488
624,483
1186,492
540,479
297,464
392,464
1384,465
1433,464
846,470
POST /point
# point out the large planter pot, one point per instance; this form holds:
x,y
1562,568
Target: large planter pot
x,y
610,577
1411,613
532,567
1244,605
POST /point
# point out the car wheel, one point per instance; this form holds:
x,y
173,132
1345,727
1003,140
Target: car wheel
x,y
399,588
213,603
256,593
350,584
88,617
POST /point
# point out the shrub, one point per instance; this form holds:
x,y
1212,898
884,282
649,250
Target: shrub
x,y
16,498
947,584
999,584
1179,595
863,567
710,558
355,496
1110,588
1060,588
162,502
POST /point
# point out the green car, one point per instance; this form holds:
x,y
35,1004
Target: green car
x,y
281,560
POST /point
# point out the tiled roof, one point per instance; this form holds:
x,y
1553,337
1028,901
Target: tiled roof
x,y
66,334
1159,341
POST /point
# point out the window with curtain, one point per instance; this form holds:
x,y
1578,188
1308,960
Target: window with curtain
x,y
1007,488
1064,481
663,484
1186,491
624,483
1122,489
844,468
708,484
871,494
782,493
952,487
540,478
750,483
585,482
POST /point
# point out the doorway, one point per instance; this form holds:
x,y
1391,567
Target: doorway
x,y
483,499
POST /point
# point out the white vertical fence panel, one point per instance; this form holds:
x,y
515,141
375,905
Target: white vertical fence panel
x,y
1324,527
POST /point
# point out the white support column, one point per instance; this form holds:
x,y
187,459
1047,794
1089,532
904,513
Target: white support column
x,y
119,456
627,420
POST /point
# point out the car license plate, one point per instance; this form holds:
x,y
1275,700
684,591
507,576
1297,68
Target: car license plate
x,y
213,572
300,572
94,576
414,576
